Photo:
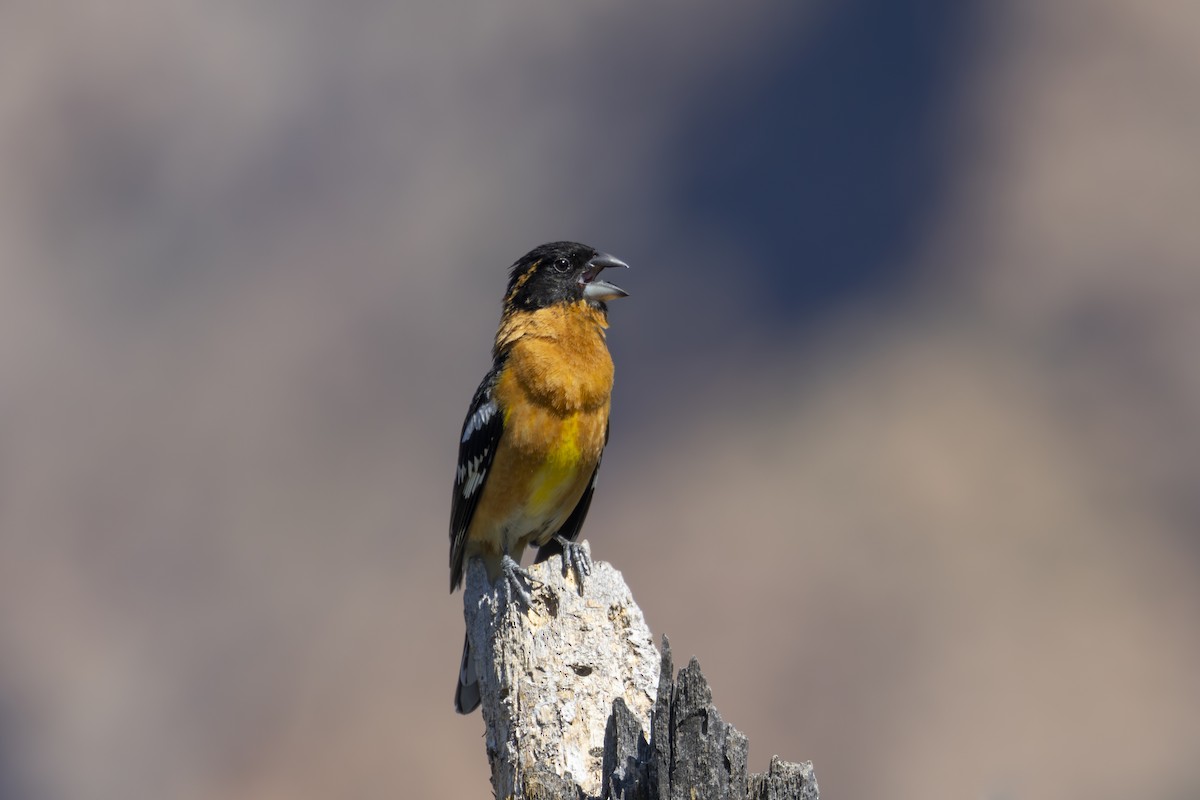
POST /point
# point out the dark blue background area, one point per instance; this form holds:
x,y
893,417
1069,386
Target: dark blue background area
x,y
827,162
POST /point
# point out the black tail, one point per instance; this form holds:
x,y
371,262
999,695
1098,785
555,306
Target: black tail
x,y
466,694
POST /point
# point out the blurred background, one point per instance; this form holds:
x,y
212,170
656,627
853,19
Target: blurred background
x,y
906,439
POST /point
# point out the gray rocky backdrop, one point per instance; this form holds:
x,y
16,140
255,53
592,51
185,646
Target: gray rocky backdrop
x,y
906,435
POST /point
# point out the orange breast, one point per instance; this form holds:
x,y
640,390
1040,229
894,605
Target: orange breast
x,y
555,398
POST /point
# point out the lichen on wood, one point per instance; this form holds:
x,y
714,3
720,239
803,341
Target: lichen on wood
x,y
578,703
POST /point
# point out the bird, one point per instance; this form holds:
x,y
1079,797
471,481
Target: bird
x,y
536,429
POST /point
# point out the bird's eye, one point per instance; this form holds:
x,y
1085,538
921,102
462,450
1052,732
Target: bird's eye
x,y
561,265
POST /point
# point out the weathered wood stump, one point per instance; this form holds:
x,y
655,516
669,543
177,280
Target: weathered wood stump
x,y
580,705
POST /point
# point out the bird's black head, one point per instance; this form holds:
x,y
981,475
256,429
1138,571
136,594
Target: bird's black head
x,y
561,272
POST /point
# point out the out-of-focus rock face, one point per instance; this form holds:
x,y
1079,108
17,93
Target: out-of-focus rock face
x,y
251,259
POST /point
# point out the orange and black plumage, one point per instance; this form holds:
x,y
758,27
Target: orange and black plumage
x,y
534,435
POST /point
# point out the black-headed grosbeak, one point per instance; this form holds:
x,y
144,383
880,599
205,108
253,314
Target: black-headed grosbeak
x,y
537,426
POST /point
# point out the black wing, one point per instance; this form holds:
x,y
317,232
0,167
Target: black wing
x,y
481,433
570,529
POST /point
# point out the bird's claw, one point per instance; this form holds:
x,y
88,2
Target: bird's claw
x,y
516,581
575,557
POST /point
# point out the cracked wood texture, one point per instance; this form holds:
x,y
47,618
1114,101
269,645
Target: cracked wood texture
x,y
579,705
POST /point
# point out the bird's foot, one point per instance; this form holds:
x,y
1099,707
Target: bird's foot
x,y
517,581
575,557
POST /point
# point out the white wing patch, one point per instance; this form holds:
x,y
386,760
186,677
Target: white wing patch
x,y
479,419
471,474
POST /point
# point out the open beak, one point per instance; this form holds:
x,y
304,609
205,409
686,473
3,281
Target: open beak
x,y
596,289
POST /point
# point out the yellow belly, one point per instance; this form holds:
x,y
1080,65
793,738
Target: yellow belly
x,y
553,483
535,482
